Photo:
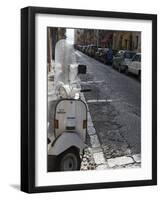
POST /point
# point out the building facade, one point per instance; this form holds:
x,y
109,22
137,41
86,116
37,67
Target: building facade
x,y
127,40
117,40
100,38
53,36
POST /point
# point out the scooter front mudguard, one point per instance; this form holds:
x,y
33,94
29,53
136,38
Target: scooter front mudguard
x,y
64,142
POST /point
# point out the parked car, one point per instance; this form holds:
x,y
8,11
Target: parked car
x,y
92,49
97,53
101,54
78,47
81,48
84,48
122,59
107,56
134,66
114,51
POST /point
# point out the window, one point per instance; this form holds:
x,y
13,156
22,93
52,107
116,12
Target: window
x,y
137,58
129,55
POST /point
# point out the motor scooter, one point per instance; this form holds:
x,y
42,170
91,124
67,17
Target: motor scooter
x,y
68,143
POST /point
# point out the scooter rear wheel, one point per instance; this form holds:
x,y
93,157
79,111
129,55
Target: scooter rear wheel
x,y
69,160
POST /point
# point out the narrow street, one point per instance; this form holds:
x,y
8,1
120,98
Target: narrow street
x,y
114,121
114,105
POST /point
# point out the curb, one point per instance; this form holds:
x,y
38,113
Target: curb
x,y
96,149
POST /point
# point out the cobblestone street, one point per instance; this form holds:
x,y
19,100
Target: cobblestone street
x,y
113,117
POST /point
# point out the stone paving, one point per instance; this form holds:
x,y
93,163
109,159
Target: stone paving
x,y
94,157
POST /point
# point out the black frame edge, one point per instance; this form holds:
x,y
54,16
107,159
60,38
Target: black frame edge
x,y
154,99
92,13
24,101
28,98
93,186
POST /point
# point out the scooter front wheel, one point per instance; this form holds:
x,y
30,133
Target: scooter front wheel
x,y
69,160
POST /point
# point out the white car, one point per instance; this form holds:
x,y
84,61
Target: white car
x,y
122,59
134,66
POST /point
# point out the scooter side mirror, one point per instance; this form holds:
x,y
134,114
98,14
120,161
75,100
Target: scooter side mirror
x,y
82,69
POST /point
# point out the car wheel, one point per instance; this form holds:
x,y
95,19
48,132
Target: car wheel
x,y
69,160
126,71
113,66
119,68
139,76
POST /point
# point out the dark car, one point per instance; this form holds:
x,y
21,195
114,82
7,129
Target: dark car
x,y
109,56
101,54
78,47
92,49
87,49
84,48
